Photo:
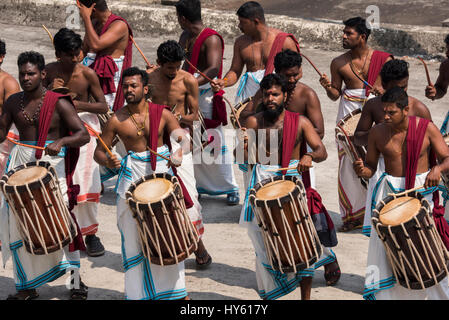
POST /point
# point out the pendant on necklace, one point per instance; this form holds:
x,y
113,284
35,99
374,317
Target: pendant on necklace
x,y
139,132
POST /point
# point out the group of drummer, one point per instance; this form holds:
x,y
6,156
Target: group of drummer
x,y
145,119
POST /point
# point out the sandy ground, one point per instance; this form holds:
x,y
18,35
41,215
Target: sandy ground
x,y
231,275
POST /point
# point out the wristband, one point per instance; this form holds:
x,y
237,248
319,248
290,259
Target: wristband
x,y
309,154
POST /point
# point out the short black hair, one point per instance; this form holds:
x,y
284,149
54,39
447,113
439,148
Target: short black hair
x,y
134,71
287,59
251,10
359,24
274,79
32,57
446,40
396,69
67,40
170,51
396,95
101,5
2,47
189,9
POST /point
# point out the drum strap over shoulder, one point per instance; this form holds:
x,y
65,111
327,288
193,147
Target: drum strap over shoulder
x,y
277,46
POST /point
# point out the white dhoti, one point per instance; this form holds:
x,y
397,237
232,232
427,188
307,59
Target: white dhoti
x,y
119,149
87,176
144,280
369,196
351,194
380,282
32,271
273,284
214,176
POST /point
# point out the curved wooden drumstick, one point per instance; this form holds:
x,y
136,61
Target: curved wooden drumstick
x,y
282,169
25,145
197,70
140,51
310,61
157,154
427,71
233,112
99,138
49,33
354,152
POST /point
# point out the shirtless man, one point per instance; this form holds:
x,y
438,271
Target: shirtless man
x,y
406,167
32,113
275,119
178,89
84,85
204,49
439,90
8,86
393,74
253,50
355,68
167,282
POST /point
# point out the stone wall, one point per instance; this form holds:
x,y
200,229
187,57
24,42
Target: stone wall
x,y
154,19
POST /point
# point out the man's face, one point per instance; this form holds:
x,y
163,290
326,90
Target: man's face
x,y
181,21
170,69
351,38
69,59
247,26
30,77
133,89
293,75
403,84
393,115
273,100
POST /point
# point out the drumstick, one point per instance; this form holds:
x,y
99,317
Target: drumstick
x,y
233,112
364,82
197,70
427,71
407,191
157,154
310,61
282,169
25,145
99,138
141,53
49,33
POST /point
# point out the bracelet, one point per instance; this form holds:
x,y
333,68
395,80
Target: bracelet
x,y
308,154
225,81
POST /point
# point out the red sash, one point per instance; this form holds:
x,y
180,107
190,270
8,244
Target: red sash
x,y
377,61
277,46
106,68
219,115
155,113
290,130
70,160
415,138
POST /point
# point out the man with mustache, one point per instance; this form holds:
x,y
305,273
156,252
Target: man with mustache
x,y
286,132
48,120
177,89
141,124
394,73
255,50
405,143
356,68
439,90
84,85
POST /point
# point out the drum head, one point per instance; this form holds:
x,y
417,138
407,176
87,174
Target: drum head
x,y
351,124
399,210
275,190
27,175
153,190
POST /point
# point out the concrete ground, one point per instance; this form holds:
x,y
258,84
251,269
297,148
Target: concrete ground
x,y
231,275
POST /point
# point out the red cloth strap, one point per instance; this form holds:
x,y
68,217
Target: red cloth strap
x,y
277,46
105,67
70,160
415,138
155,114
206,33
377,61
290,130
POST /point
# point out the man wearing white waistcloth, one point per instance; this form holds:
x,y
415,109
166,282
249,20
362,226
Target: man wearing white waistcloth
x,y
410,146
107,49
294,132
141,125
49,121
359,70
394,73
84,87
178,90
255,50
204,49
